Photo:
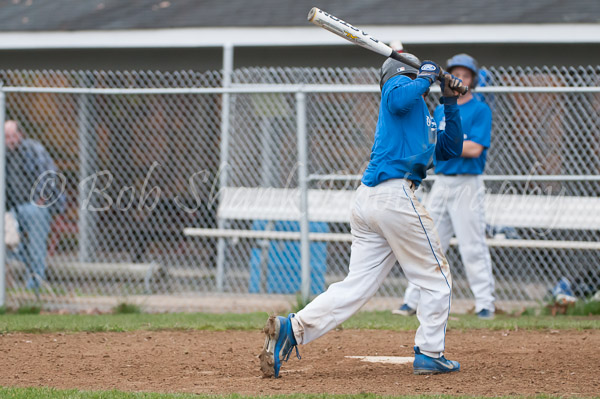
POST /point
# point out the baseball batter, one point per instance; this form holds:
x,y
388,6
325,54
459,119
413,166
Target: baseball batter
x,y
388,223
456,199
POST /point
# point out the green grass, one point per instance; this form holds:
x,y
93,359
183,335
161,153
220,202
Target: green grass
x,y
130,322
383,320
49,393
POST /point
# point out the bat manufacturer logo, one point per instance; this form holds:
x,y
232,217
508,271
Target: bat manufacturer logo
x,y
346,24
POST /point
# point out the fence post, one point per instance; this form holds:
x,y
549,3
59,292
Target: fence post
x,y
2,198
86,166
224,154
303,183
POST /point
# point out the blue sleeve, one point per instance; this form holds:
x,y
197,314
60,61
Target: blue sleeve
x,y
481,126
401,93
450,140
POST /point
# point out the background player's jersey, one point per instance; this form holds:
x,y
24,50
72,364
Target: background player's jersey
x,y
476,120
404,146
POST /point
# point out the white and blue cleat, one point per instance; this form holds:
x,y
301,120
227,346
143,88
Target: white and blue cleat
x,y
485,314
424,364
278,346
405,310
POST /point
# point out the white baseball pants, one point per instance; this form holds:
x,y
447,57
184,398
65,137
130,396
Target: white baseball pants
x,y
456,204
388,224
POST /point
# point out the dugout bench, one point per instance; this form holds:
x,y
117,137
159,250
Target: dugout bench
x,y
334,206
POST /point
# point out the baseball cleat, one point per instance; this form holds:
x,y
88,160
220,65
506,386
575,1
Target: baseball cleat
x,y
485,314
279,342
424,364
405,310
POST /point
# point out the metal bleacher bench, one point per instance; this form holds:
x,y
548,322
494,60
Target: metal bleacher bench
x,y
334,206
108,272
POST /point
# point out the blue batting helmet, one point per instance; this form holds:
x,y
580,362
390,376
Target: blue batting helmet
x,y
464,60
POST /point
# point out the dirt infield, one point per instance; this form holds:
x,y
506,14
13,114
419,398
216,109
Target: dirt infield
x,y
493,363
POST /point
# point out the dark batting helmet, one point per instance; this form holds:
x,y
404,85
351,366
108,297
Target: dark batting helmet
x,y
466,61
392,67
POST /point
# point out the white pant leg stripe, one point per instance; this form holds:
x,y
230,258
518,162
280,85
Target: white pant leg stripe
x,y
436,259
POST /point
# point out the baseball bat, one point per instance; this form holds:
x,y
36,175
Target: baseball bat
x,y
360,37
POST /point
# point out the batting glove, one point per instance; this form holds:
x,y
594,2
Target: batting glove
x,y
429,70
449,84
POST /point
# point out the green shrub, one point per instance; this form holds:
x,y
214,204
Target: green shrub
x,y
300,304
584,308
127,308
530,311
29,309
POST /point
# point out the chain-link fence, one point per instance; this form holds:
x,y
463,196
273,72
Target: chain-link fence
x,y
176,202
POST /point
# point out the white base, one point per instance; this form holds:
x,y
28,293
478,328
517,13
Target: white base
x,y
384,359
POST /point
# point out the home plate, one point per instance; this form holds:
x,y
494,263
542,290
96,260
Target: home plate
x,y
384,359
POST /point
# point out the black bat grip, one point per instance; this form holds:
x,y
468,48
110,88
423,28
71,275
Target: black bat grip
x,y
398,56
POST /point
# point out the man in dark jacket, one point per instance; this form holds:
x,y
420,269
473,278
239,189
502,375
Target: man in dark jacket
x,y
33,194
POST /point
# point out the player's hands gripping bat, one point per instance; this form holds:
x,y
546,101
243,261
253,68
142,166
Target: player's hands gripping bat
x,y
363,39
450,85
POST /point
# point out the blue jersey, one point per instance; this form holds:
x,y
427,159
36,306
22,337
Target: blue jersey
x,y
406,137
476,120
